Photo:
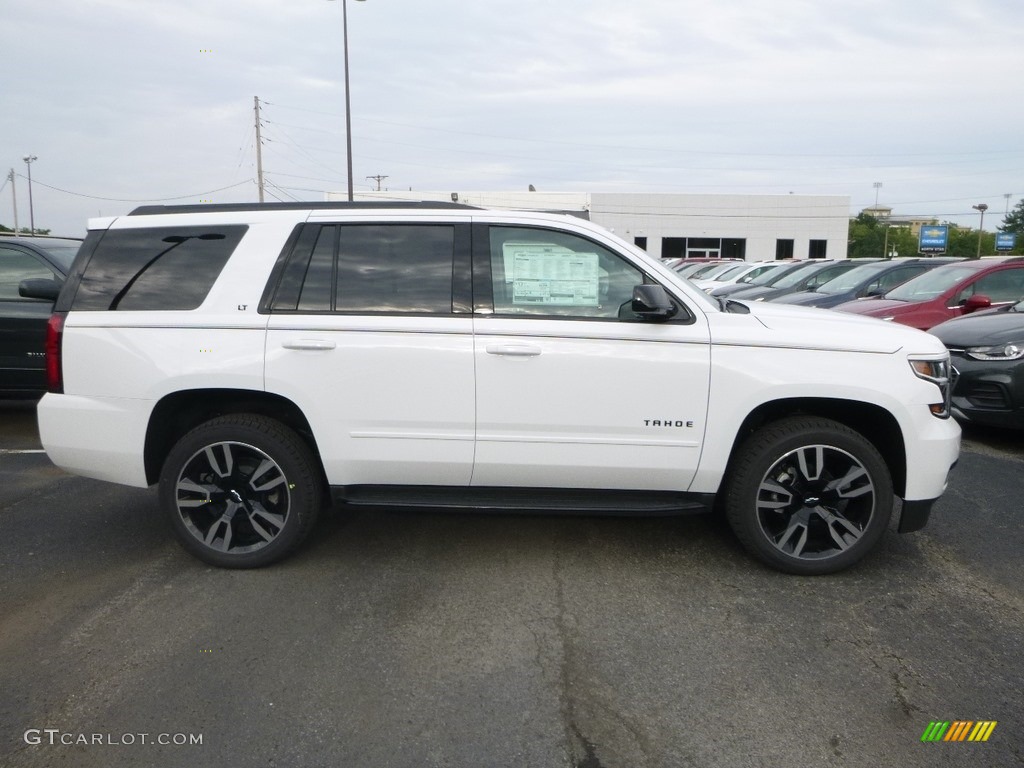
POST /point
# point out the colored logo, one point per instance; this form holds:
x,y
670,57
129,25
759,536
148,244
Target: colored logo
x,y
1005,241
933,239
958,730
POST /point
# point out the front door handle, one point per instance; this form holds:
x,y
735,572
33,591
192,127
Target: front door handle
x,y
310,344
513,350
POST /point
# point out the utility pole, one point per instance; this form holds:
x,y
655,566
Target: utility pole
x,y
1008,195
259,148
14,198
29,159
378,178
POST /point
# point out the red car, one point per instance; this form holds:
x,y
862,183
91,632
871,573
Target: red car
x,y
947,292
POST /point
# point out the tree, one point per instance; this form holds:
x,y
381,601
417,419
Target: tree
x,y
870,238
24,230
866,237
1014,222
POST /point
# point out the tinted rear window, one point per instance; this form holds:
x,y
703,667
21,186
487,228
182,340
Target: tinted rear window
x,y
369,268
165,268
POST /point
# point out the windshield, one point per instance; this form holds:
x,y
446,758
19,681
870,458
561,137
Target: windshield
x,y
792,276
714,272
730,272
772,276
932,283
851,280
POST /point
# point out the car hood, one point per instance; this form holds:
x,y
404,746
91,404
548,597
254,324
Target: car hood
x,y
800,297
781,325
876,307
981,329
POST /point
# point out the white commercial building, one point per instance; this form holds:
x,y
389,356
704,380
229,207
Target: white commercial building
x,y
751,227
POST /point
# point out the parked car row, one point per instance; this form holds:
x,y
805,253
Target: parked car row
x,y
975,307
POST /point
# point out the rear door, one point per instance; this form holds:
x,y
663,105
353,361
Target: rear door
x,y
573,389
370,335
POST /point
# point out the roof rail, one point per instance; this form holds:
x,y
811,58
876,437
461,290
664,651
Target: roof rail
x,y
152,210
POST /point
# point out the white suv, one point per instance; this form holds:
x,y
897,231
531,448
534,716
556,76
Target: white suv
x,y
255,360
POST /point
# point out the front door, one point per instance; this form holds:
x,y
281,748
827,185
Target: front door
x,y
574,389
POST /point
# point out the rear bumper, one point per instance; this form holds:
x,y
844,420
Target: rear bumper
x,y
102,438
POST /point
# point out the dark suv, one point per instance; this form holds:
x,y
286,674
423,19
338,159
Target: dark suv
x,y
863,281
23,320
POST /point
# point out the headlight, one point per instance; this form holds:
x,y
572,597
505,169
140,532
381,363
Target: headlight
x,y
998,352
937,372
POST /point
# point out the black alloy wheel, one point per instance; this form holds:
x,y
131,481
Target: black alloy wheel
x,y
808,495
241,491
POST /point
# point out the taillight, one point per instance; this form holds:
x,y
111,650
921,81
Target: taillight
x,y
54,340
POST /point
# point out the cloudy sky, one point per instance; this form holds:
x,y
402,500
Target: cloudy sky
x,y
133,101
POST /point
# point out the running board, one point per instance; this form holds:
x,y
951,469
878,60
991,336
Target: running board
x,y
535,500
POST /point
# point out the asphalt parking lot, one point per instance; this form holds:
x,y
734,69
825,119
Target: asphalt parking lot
x,y
423,639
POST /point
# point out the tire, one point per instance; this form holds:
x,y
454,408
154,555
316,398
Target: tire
x,y
808,495
241,491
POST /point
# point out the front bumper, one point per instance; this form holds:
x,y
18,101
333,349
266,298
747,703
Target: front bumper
x,y
989,392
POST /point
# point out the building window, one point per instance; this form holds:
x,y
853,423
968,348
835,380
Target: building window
x,y
783,249
817,249
734,248
673,247
640,242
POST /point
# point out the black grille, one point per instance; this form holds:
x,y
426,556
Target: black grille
x,y
986,395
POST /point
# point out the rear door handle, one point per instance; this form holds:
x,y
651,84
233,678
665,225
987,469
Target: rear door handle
x,y
311,344
513,350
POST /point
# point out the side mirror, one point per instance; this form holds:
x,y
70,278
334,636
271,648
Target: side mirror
x,y
976,302
652,303
39,288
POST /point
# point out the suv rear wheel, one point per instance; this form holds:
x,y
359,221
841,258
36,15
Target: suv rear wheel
x,y
808,495
241,491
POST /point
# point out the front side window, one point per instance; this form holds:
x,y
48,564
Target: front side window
x,y
537,272
1002,286
15,266
162,268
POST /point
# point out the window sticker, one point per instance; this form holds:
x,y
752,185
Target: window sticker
x,y
547,274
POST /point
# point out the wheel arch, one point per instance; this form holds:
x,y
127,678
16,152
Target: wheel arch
x,y
179,412
875,423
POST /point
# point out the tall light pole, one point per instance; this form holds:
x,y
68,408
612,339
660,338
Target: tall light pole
x,y
877,185
348,104
29,159
982,207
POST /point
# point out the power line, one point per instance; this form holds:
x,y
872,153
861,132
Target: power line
x,y
135,200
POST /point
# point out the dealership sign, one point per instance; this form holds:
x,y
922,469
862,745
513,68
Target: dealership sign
x,y
1005,241
933,239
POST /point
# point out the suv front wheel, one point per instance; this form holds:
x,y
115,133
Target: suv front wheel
x,y
808,495
241,491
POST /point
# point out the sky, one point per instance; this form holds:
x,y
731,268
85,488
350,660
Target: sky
x,y
127,102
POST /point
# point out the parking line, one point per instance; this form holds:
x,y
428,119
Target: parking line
x,y
23,450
